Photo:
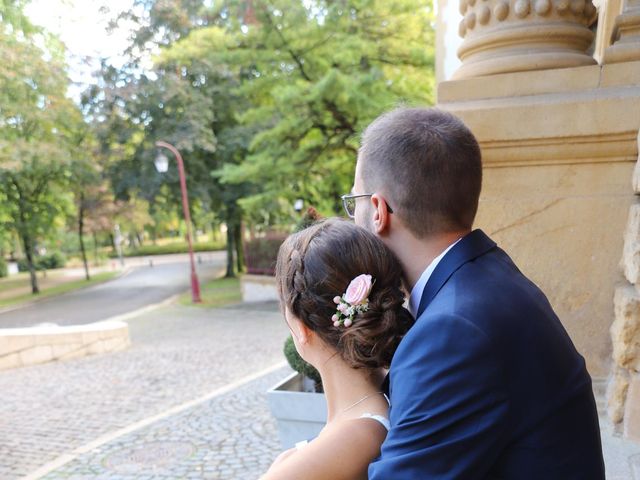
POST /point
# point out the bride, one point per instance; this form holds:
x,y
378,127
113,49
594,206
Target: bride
x,y
341,293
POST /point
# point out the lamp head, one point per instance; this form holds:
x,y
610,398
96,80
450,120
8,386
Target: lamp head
x,y
161,162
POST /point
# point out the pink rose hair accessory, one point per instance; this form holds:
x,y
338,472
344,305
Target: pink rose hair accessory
x,y
354,301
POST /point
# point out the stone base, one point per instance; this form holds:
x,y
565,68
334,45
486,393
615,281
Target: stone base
x,y
20,347
632,410
258,288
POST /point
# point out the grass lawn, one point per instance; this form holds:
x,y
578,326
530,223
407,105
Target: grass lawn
x,y
54,290
216,293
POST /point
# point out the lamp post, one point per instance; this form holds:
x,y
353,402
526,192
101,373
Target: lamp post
x,y
162,165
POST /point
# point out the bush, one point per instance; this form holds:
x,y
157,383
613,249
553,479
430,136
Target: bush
x,y
49,261
260,254
4,269
299,365
147,250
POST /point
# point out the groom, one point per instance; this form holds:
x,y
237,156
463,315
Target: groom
x,y
487,384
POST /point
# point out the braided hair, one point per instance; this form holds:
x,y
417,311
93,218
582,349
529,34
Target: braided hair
x,y
317,264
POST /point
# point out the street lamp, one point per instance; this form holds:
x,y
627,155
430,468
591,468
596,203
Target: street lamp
x,y
162,165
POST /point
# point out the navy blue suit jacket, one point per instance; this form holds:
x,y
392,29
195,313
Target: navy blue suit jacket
x,y
487,384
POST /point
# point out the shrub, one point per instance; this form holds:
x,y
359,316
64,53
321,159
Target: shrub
x,y
147,250
299,365
51,261
260,254
44,262
4,269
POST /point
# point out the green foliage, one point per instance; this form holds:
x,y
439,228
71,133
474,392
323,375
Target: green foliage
x,y
261,254
49,261
325,70
146,250
39,129
299,365
4,268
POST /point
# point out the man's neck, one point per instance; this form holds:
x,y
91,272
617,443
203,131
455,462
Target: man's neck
x,y
416,254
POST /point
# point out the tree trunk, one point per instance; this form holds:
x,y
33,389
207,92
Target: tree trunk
x,y
112,239
95,248
28,251
239,244
80,237
230,269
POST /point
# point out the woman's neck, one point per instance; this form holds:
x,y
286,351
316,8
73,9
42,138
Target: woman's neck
x,y
344,386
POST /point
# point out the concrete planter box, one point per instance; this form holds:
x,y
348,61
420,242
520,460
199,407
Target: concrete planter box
x,y
258,288
300,415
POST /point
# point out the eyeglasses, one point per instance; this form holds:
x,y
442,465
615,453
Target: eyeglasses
x,y
349,203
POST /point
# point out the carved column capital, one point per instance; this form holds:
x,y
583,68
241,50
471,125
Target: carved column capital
x,y
502,36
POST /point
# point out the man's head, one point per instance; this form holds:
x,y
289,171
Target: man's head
x,y
426,165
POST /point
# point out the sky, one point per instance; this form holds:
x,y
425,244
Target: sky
x,y
83,28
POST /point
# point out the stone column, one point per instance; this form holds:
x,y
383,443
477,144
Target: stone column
x,y
502,36
626,35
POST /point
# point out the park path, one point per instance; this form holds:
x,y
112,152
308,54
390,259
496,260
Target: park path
x,y
140,286
178,354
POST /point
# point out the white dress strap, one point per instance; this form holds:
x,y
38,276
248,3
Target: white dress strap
x,y
384,421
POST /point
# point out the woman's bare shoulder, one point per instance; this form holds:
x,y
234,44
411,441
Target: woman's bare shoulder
x,y
343,450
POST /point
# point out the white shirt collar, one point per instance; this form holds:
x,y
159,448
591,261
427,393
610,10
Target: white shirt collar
x,y
418,288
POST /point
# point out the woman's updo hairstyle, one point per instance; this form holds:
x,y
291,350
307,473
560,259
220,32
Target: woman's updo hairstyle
x,y
317,264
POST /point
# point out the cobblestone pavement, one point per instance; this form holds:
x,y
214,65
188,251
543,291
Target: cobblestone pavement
x,y
177,354
230,437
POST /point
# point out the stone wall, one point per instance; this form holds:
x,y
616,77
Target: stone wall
x,y
559,148
624,387
20,347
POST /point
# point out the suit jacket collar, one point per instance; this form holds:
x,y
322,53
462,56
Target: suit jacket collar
x,y
470,247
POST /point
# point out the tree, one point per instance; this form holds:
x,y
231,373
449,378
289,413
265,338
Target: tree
x,y
322,71
36,121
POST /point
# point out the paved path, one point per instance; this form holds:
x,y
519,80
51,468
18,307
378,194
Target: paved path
x,y
142,286
169,407
232,437
177,354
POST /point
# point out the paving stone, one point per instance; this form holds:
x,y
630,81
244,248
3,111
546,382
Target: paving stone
x,y
178,354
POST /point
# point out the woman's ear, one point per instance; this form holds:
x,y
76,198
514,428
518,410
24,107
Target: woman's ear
x,y
304,333
380,214
298,329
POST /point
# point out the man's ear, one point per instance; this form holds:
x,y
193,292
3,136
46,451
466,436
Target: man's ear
x,y
381,220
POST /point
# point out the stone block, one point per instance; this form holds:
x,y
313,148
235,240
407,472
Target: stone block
x,y
632,410
96,347
89,337
64,337
16,343
5,345
11,360
631,253
77,352
620,74
36,354
636,171
625,330
617,394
